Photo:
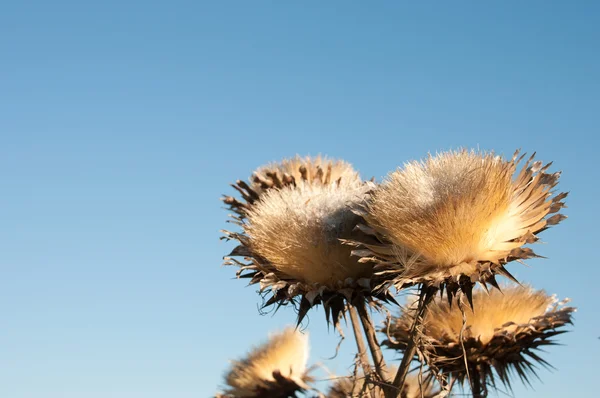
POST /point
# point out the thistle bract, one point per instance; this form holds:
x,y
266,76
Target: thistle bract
x,y
288,173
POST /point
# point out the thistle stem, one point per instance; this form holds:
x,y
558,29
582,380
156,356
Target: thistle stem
x,y
367,323
426,295
360,344
476,387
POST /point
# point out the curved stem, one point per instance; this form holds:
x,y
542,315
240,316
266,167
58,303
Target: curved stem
x,y
374,347
367,323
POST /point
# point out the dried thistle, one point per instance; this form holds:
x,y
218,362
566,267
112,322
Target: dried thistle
x,y
298,231
276,369
501,333
457,218
291,238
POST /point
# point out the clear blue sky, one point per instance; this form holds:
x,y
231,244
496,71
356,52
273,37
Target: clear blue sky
x,y
122,123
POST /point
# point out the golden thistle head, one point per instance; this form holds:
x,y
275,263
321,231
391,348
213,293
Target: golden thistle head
x,y
298,231
461,214
292,237
275,369
500,333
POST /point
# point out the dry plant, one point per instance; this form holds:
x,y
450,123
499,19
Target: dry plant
x,y
454,220
296,216
499,335
459,217
276,369
292,227
311,232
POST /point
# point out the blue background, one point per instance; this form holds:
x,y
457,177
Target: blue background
x,y
122,123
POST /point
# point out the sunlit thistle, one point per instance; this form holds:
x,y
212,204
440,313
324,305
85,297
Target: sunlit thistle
x,y
500,334
457,218
291,238
275,369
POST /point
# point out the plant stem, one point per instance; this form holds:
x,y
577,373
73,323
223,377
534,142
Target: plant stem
x,y
360,344
367,323
476,383
426,295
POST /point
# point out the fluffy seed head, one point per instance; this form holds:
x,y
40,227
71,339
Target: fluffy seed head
x,y
284,356
294,217
298,231
452,209
491,312
500,335
462,208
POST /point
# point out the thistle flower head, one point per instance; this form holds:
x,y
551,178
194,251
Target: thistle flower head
x,y
274,369
292,237
461,214
490,312
298,231
501,333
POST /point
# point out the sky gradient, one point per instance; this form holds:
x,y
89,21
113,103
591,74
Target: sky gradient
x,y
122,123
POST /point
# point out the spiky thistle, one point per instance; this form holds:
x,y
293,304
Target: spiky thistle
x,y
275,369
289,172
500,334
292,236
457,218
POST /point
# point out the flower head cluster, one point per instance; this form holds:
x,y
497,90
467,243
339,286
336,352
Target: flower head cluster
x,y
311,232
